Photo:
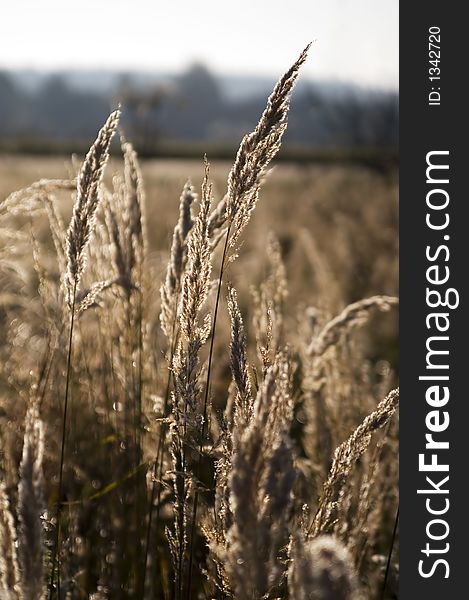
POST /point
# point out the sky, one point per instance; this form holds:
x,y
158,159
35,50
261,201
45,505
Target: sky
x,y
354,40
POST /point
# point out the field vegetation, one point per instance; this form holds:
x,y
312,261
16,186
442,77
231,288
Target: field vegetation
x,y
198,370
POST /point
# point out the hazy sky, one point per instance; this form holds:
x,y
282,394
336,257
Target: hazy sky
x,y
355,40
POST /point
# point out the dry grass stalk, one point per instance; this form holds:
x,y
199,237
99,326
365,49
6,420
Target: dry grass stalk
x,y
182,435
353,315
359,534
9,567
30,508
27,198
86,205
46,287
186,410
135,207
89,297
277,283
239,361
78,237
263,326
256,151
344,458
117,246
57,230
124,215
170,293
171,288
259,485
269,302
22,570
196,281
183,491
257,493
114,240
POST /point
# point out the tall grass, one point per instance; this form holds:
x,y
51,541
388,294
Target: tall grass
x,y
186,454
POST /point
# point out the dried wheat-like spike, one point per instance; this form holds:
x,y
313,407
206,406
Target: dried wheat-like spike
x,y
185,406
135,206
277,282
361,529
196,281
222,473
217,218
326,281
346,455
260,484
30,507
273,405
44,284
57,230
89,297
320,569
269,302
86,204
26,198
183,425
185,375
239,361
259,530
177,263
9,569
352,316
256,151
117,245
183,490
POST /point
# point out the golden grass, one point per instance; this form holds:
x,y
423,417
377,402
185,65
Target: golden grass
x,y
170,476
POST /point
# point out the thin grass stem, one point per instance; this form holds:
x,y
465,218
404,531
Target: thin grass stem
x,y
55,549
204,414
158,465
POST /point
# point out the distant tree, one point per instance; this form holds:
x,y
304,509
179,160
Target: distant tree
x,y
192,108
11,105
344,117
196,102
60,112
200,85
141,108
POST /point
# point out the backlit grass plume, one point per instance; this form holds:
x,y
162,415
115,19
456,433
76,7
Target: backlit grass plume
x,y
171,289
353,315
86,204
22,550
9,567
31,507
258,479
239,360
345,457
256,151
193,451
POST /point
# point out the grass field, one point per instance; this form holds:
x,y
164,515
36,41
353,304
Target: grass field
x,y
302,205
195,388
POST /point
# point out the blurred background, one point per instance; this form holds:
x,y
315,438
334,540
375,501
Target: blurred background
x,y
193,77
